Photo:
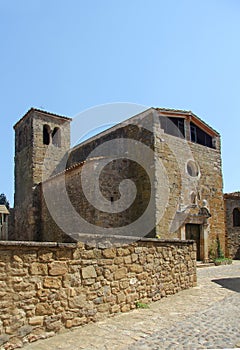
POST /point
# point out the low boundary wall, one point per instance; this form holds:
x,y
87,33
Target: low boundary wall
x,y
48,287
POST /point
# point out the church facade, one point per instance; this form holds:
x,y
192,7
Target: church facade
x,y
158,174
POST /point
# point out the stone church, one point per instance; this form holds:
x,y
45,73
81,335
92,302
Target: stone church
x,y
157,174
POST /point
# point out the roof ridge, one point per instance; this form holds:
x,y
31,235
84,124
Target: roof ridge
x,y
32,109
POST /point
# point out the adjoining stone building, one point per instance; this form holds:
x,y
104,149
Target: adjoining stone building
x,y
4,213
232,208
178,181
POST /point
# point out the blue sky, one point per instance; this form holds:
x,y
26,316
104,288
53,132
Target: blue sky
x,y
67,56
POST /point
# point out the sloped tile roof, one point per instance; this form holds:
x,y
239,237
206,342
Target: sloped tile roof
x,y
3,209
232,195
43,112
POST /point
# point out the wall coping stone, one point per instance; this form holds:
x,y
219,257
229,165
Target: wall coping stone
x,y
37,244
102,241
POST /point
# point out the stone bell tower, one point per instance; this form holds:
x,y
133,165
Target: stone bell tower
x,y
41,141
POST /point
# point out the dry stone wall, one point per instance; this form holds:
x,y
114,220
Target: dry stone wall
x,y
48,287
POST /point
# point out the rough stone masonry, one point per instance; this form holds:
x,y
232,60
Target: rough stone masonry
x,y
48,287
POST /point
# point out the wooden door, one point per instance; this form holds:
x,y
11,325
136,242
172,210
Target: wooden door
x,y
193,232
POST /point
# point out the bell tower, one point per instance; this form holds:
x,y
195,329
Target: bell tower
x,y
42,139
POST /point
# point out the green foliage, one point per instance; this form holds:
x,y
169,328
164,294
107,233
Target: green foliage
x,y
223,261
215,250
140,305
220,254
3,200
216,254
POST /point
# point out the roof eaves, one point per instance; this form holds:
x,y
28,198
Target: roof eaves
x,y
74,166
188,113
40,111
3,209
203,122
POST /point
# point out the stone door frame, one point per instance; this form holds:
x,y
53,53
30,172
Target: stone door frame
x,y
204,233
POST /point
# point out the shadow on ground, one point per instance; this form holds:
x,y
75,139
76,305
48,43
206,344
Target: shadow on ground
x,y
229,283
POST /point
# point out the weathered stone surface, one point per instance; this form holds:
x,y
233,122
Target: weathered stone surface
x,y
109,253
3,338
77,321
77,302
43,309
88,272
51,296
36,321
136,268
57,268
52,282
120,273
38,269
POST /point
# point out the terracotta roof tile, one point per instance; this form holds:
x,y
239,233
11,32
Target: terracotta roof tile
x,y
3,209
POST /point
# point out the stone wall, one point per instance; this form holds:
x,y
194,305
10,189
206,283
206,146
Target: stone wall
x,y
48,287
62,215
232,201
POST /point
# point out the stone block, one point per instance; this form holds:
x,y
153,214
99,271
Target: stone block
x,y
3,339
120,273
124,284
135,268
127,260
88,272
52,282
103,308
125,308
43,309
57,268
77,302
134,257
109,253
123,251
121,298
45,256
115,309
118,260
38,269
54,326
36,321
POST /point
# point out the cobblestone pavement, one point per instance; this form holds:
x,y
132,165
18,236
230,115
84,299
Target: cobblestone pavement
x,y
204,317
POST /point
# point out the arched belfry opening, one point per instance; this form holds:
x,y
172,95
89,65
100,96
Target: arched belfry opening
x,y
236,217
46,134
56,137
